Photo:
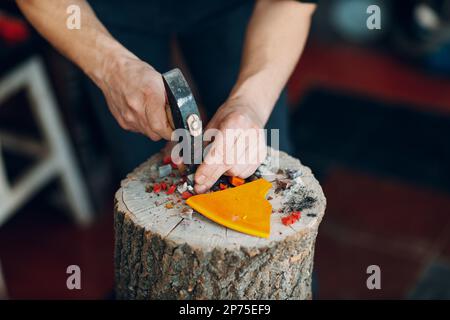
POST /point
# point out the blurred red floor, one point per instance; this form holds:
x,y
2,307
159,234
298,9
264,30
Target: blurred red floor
x,y
371,220
38,245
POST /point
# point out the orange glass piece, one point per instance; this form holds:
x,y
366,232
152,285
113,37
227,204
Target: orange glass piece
x,y
236,181
243,208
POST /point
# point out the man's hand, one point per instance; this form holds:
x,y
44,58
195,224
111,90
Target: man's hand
x,y
237,149
275,38
136,96
133,89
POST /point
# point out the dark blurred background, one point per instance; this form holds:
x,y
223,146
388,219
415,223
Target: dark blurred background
x,y
370,116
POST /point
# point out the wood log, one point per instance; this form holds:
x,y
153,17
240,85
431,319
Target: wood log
x,y
159,254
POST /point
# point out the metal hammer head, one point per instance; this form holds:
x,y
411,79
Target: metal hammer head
x,y
183,108
182,113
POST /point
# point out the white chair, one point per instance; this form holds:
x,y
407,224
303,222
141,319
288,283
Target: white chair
x,y
54,155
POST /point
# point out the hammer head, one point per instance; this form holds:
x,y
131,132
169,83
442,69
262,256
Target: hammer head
x,y
183,108
182,113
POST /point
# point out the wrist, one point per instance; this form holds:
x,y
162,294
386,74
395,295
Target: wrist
x,y
109,55
256,91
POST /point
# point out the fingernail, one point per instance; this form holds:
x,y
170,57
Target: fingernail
x,y
200,179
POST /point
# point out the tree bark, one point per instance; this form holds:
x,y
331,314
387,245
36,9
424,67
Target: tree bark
x,y
161,255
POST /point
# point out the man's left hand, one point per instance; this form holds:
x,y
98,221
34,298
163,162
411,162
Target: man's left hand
x,y
239,146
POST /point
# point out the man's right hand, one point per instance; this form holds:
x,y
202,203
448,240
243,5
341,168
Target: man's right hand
x,y
136,96
133,90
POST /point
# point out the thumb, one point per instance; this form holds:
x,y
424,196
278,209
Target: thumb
x,y
212,167
207,174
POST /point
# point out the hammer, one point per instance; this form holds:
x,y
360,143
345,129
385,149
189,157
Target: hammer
x,y
182,113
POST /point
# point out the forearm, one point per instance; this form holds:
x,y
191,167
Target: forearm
x,y
275,38
92,48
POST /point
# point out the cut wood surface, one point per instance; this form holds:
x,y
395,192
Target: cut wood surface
x,y
161,255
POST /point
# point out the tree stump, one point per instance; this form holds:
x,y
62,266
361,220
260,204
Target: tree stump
x,y
159,254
